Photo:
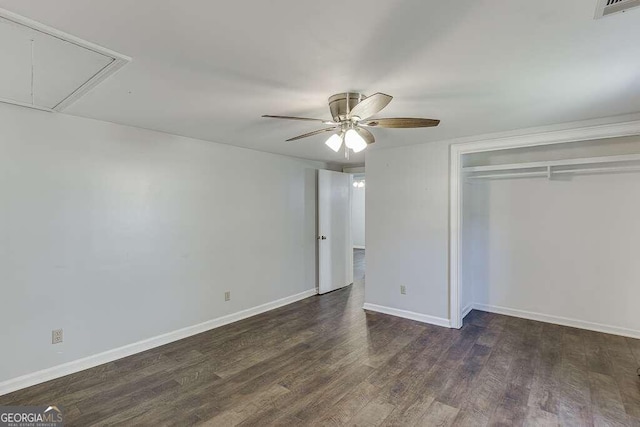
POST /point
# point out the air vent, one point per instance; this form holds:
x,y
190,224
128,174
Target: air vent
x,y
47,69
609,7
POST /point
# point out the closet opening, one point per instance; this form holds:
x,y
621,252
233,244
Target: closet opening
x,y
550,233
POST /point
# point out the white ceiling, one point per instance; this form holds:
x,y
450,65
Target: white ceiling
x,y
210,69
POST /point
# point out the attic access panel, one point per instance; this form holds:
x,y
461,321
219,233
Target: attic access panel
x,y
47,69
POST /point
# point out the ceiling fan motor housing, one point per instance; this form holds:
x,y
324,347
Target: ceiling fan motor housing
x,y
341,103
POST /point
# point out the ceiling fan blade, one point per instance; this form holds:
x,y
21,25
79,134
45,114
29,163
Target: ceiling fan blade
x,y
370,106
315,132
327,122
366,135
401,123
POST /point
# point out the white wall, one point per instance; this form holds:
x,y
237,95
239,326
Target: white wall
x,y
566,248
358,214
407,228
118,234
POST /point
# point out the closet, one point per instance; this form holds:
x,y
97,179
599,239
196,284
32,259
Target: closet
x,y
553,233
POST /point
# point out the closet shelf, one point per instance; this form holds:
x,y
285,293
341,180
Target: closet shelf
x,y
591,165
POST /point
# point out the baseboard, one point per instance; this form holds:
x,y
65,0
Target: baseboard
x,y
564,321
424,318
467,310
44,375
358,247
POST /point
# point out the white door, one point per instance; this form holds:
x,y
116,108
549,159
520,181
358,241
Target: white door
x,y
335,251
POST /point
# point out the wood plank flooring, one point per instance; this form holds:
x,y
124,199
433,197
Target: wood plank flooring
x,y
324,361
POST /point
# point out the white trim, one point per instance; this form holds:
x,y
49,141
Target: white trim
x,y
585,133
109,70
558,320
26,104
458,148
38,26
467,310
455,227
118,60
358,247
354,170
424,318
140,346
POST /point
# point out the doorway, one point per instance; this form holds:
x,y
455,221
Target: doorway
x,y
335,245
341,229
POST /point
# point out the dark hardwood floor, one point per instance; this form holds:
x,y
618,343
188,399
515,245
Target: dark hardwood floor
x,y
325,361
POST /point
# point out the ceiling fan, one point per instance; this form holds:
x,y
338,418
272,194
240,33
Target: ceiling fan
x,y
351,112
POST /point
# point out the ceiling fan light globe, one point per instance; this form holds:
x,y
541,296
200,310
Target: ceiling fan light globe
x,y
334,142
354,141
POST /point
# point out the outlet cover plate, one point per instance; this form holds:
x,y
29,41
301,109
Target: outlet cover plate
x,y
56,336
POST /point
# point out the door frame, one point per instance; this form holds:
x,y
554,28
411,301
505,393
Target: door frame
x,y
457,150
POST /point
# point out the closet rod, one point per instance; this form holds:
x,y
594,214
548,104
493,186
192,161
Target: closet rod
x,y
510,175
598,170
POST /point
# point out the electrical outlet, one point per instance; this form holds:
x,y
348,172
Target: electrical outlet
x,y
227,296
56,336
403,289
